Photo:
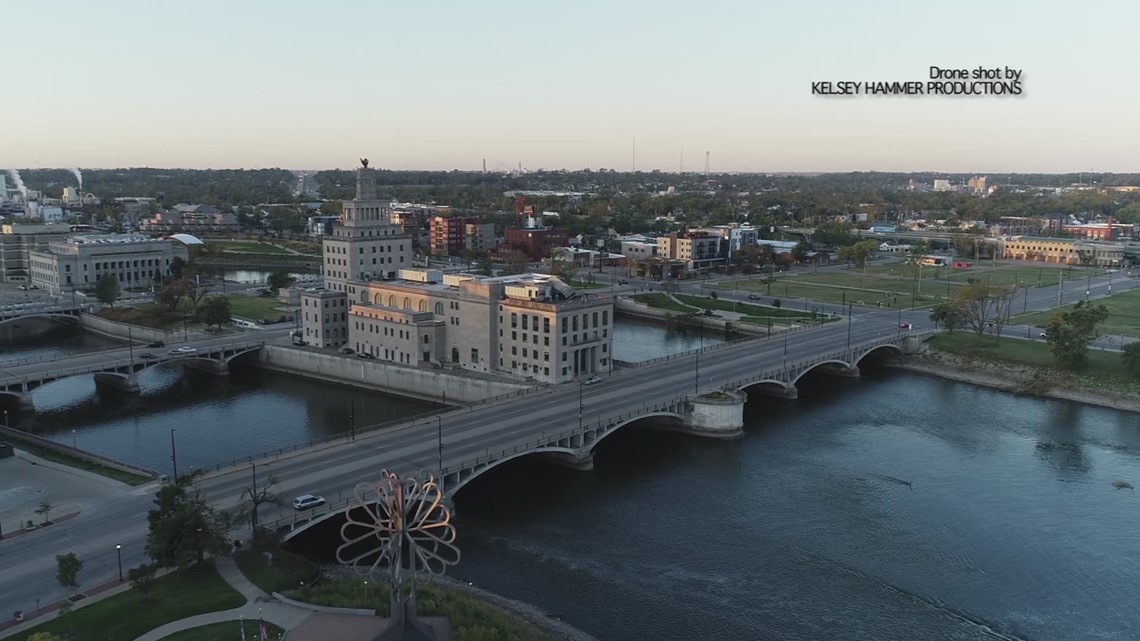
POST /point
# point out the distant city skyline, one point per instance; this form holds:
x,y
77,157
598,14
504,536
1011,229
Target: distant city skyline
x,y
298,85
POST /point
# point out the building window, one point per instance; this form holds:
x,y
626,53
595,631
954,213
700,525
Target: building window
x,y
474,355
546,325
524,318
546,341
575,323
407,303
439,309
514,319
564,325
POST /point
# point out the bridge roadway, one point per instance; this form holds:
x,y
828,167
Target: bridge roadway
x,y
333,469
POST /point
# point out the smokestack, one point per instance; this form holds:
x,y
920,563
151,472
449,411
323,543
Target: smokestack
x,y
484,165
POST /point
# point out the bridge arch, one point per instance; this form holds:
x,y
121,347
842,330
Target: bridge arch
x,y
607,431
819,365
451,487
887,346
781,387
70,319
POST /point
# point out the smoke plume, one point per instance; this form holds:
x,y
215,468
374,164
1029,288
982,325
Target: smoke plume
x,y
19,183
78,176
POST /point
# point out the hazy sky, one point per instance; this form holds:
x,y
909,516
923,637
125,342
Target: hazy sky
x,y
439,85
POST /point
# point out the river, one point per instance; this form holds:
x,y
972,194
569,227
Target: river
x,y
895,506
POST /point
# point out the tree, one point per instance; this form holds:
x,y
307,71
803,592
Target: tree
x,y
1069,333
1086,257
67,570
194,291
983,307
279,279
44,509
172,293
563,267
919,249
517,262
252,500
183,529
1131,357
107,289
801,250
216,311
177,267
142,578
44,636
948,314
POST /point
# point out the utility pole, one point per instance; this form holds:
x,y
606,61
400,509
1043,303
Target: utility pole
x,y
173,454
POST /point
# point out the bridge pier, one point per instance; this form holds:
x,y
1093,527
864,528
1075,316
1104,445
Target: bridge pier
x,y
578,461
128,383
16,401
717,414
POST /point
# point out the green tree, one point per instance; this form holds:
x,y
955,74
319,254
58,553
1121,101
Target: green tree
x,y
67,570
107,289
45,509
173,292
44,636
801,250
177,267
216,311
252,500
982,307
1131,357
948,314
279,279
142,578
1069,333
183,529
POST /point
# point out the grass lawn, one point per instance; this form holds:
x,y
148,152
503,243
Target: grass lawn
x,y
577,284
128,615
80,464
471,617
228,631
256,307
832,292
657,300
748,309
1021,275
287,572
1123,314
244,247
1104,370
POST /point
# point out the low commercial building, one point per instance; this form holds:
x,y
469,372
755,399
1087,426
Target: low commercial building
x,y
638,250
191,218
1066,251
700,250
530,326
78,262
324,317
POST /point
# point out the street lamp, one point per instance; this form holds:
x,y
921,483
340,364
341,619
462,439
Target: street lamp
x,y
131,344
581,407
439,428
73,445
253,499
352,412
173,454
119,553
849,326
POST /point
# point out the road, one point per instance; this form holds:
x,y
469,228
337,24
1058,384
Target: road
x,y
332,470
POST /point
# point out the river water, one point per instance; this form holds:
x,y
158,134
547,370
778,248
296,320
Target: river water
x,y
891,507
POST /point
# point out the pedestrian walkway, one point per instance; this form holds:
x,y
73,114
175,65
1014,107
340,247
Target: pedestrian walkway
x,y
259,605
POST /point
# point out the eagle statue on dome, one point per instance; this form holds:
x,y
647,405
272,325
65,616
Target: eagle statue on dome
x,y
364,162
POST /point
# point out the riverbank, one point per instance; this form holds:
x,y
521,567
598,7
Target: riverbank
x,y
1016,379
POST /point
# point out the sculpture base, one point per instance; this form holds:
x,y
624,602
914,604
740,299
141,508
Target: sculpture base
x,y
405,630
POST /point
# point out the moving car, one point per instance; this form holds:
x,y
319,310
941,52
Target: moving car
x,y
754,297
306,501
177,351
156,344
366,355
592,380
147,356
623,282
905,326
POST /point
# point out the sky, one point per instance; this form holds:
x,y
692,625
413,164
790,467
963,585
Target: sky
x,y
564,85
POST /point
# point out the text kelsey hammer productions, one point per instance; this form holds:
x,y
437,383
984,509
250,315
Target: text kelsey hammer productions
x,y
982,81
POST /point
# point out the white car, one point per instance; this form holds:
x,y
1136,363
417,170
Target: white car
x,y
181,351
592,380
306,501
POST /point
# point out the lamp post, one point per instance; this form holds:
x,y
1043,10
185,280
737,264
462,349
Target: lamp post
x,y
73,445
119,553
581,407
253,499
131,344
439,432
697,381
1088,287
173,454
849,327
352,412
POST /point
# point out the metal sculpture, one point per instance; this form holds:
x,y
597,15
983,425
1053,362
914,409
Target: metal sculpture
x,y
364,162
399,527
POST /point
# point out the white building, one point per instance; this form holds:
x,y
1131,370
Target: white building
x,y
77,262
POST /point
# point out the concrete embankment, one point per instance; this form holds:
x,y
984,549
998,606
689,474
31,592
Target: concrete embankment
x,y
626,307
425,384
116,329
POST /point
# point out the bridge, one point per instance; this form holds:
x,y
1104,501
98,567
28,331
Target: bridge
x,y
111,369
17,312
564,424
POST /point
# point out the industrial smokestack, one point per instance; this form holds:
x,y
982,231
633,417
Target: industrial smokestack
x,y
484,165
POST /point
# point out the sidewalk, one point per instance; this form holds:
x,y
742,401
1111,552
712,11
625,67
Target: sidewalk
x,y
259,605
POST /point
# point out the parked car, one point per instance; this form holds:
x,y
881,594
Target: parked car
x,y
345,350
1042,335
307,501
623,282
156,344
366,355
754,297
179,351
147,356
592,380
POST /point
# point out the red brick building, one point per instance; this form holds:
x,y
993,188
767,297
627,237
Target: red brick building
x,y
535,242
